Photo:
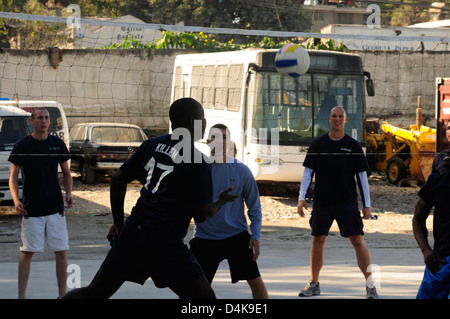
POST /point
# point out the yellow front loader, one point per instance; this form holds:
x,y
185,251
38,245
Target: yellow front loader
x,y
403,154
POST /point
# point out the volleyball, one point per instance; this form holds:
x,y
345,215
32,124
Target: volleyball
x,y
292,60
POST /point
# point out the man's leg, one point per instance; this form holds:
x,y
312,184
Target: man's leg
x,y
312,288
362,254
101,287
317,256
24,272
258,288
198,289
61,271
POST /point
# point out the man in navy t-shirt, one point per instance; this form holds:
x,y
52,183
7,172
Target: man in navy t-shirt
x,y
338,164
434,193
176,188
43,224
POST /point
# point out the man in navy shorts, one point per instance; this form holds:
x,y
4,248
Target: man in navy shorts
x,y
177,187
434,193
335,159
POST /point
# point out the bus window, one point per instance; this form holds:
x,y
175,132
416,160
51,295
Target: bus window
x,y
345,91
177,83
196,83
220,87
235,85
208,86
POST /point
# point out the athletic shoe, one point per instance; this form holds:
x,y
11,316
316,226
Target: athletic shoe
x,y
311,289
371,293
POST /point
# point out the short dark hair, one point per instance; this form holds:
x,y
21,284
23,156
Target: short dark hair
x,y
38,109
183,110
220,127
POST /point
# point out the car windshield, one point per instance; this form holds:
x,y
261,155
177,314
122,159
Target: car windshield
x,y
116,134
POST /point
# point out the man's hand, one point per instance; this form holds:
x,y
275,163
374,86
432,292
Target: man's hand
x,y
113,233
254,245
20,209
225,196
433,260
69,200
367,213
300,206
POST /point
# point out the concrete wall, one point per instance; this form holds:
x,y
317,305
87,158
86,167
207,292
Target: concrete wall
x,y
109,85
399,78
134,86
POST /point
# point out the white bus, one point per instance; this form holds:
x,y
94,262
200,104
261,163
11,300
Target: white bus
x,y
273,118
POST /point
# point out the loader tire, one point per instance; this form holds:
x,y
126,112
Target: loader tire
x,y
395,170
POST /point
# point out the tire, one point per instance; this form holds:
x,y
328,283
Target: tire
x,y
395,170
87,174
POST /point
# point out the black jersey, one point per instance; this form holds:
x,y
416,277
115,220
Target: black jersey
x,y
175,180
335,163
39,161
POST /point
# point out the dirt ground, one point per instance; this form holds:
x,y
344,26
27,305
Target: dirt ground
x,y
90,218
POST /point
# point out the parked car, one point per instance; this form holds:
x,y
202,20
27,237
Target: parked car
x,y
102,147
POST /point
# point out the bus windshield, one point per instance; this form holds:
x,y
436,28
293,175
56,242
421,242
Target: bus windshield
x,y
299,107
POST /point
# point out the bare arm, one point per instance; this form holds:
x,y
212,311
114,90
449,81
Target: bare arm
x,y
118,191
205,212
14,188
67,177
421,213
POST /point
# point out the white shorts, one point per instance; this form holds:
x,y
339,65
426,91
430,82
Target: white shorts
x,y
50,230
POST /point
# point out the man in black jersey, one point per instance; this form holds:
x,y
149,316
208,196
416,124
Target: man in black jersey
x,y
177,187
335,159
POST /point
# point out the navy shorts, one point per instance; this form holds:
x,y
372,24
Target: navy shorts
x,y
138,254
346,214
210,253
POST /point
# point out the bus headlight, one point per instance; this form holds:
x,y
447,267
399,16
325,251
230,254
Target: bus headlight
x,y
268,161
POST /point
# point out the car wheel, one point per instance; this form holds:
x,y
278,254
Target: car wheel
x,y
87,174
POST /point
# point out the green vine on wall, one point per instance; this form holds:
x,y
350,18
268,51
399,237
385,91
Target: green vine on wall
x,y
202,42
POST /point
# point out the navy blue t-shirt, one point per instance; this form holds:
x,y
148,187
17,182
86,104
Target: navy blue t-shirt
x,y
175,180
39,161
335,164
435,191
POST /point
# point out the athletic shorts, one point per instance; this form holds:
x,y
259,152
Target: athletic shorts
x,y
210,253
346,214
436,285
138,254
44,233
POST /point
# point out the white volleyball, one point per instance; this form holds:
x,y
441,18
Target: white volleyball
x,y
292,60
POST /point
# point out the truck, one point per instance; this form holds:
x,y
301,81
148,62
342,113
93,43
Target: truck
x,y
14,125
442,112
407,155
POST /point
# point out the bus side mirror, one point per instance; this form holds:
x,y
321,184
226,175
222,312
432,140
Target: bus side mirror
x,y
370,88
369,85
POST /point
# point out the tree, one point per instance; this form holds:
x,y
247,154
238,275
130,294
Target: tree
x,y
279,15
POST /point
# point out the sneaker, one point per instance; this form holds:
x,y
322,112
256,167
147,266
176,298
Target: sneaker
x,y
311,289
371,293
